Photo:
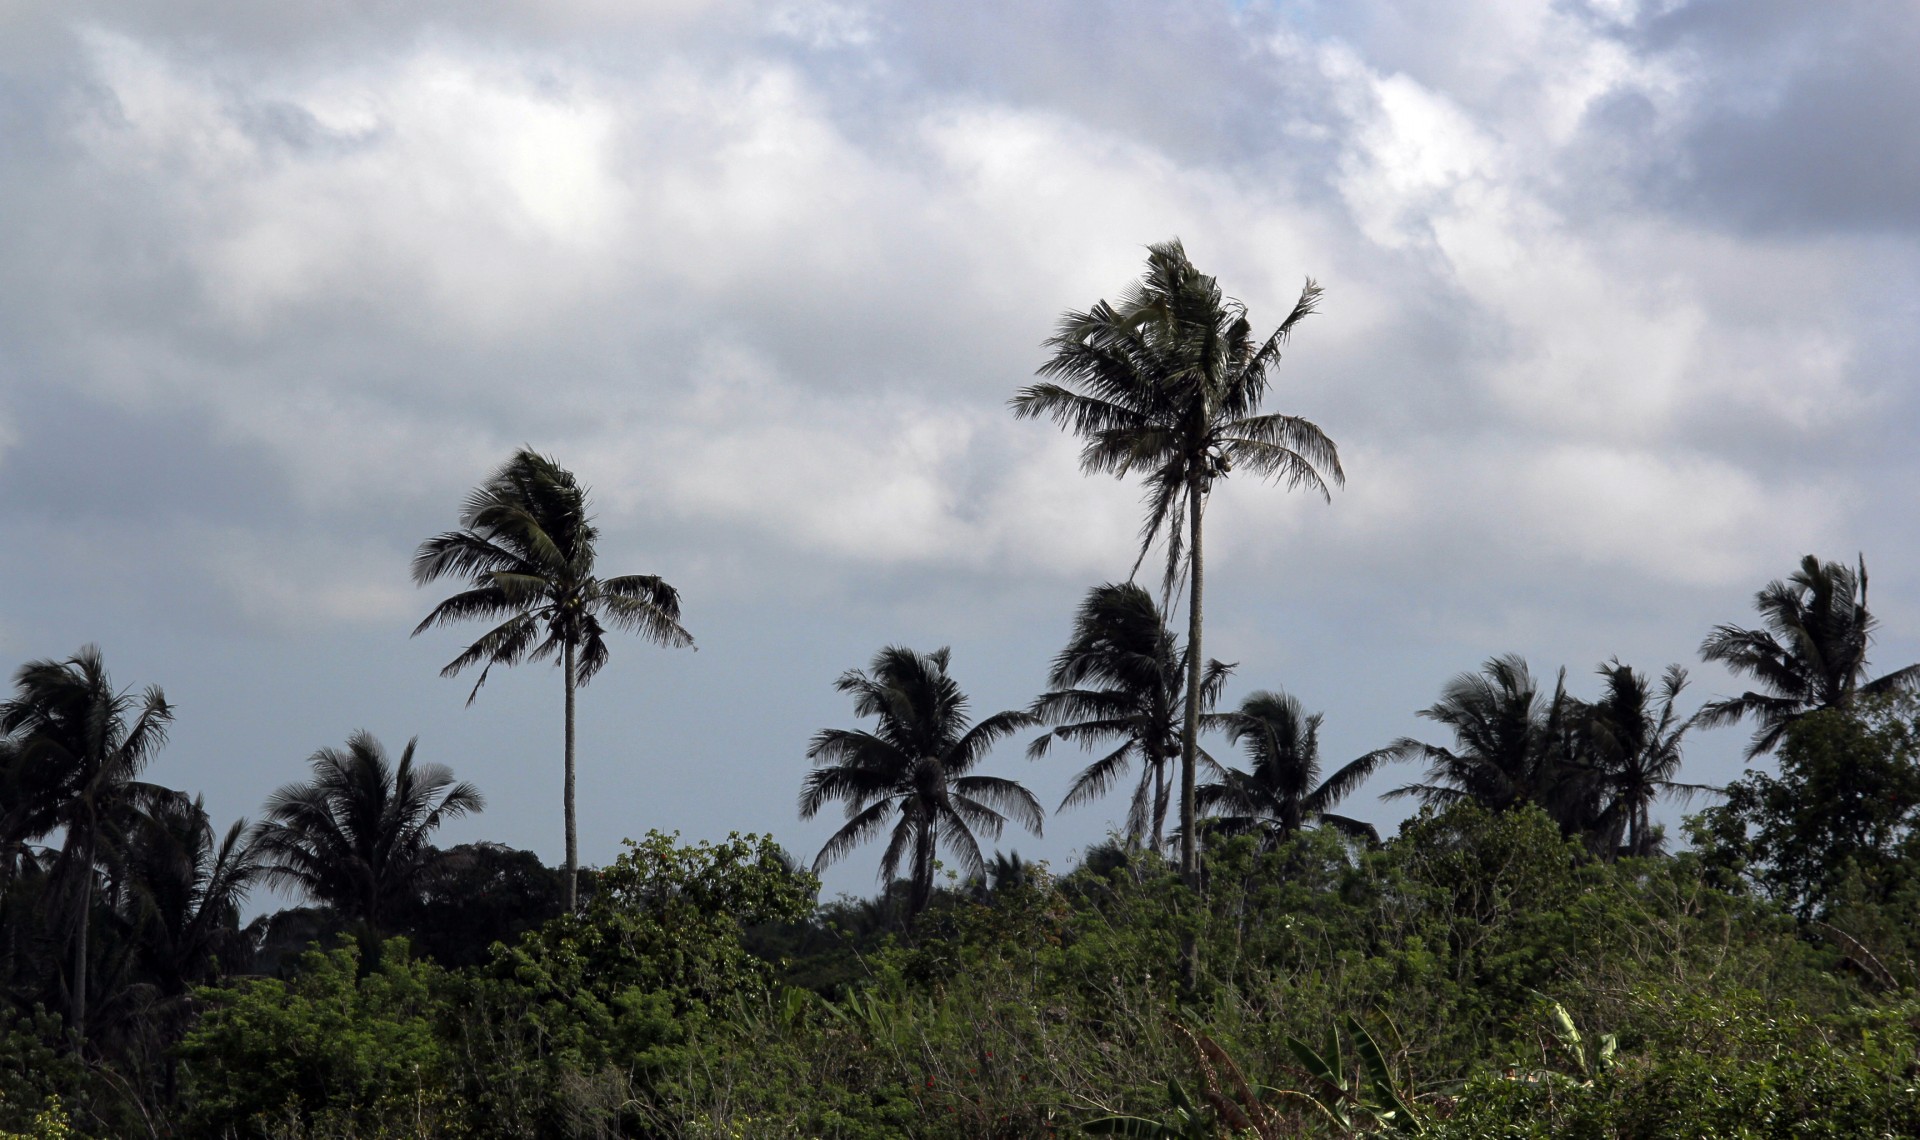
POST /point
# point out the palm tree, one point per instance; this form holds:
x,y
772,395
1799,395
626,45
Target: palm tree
x,y
1281,791
1811,655
1119,681
914,770
187,884
182,888
1168,382
356,836
526,544
1630,740
85,743
1510,742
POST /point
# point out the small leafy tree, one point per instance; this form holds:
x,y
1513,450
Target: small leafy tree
x,y
1844,808
568,1028
336,1049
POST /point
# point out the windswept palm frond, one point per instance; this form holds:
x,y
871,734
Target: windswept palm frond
x,y
1810,655
1280,791
914,768
77,746
356,835
1119,681
1511,742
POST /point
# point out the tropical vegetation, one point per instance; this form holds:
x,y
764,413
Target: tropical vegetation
x,y
1528,955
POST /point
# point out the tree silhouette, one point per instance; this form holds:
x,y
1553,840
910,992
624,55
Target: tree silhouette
x,y
1629,740
914,770
1811,655
80,744
1168,382
526,544
1511,742
1280,791
356,836
1120,681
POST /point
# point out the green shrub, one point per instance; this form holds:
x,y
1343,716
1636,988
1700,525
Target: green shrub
x,y
328,1051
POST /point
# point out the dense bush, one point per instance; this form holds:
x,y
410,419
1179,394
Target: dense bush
x,y
1033,1007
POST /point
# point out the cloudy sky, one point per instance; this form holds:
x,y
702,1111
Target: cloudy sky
x,y
1621,319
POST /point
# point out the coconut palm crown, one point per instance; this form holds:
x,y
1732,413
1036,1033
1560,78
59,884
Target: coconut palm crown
x,y
1810,655
1119,683
913,771
79,745
1630,742
1511,742
1281,791
356,836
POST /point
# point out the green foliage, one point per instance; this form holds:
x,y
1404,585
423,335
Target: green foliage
x,y
477,894
51,1122
1844,808
1733,1067
330,1049
601,1017
1363,1097
1186,1120
36,1072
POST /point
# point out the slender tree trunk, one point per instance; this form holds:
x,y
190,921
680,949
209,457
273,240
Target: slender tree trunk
x,y
1190,737
573,836
1190,734
1159,805
922,891
80,941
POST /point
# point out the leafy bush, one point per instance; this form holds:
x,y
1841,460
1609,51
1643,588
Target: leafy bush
x,y
331,1050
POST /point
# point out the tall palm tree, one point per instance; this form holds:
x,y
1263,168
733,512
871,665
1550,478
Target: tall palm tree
x,y
1119,681
356,836
1811,655
914,769
1281,791
1511,742
1168,382
526,544
1630,739
87,742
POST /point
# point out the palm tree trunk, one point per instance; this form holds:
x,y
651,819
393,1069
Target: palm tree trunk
x,y
922,892
1190,738
573,836
79,1009
1159,805
1190,732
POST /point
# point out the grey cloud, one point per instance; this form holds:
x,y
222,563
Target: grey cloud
x,y
1800,120
832,228
85,464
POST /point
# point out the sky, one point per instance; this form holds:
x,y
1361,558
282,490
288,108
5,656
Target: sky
x,y
1621,316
